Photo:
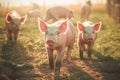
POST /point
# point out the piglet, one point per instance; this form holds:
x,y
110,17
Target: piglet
x,y
87,36
13,22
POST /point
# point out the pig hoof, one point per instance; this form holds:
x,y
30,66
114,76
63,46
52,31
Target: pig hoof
x,y
14,42
52,68
69,61
9,41
81,58
57,77
89,58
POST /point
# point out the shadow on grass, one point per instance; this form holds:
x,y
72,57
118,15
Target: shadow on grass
x,y
106,67
12,52
14,59
68,71
76,72
101,57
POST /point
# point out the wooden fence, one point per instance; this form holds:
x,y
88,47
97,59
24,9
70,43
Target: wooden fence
x,y
113,9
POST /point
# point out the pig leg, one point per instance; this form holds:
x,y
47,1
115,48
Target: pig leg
x,y
89,51
82,14
69,50
50,56
55,18
16,32
69,53
81,54
47,17
81,50
89,54
9,35
58,62
86,15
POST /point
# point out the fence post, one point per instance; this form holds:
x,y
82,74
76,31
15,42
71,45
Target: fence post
x,y
117,12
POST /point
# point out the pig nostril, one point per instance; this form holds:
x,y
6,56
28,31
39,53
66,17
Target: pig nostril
x,y
90,39
50,42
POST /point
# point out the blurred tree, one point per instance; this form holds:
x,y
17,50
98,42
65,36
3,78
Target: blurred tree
x,y
0,5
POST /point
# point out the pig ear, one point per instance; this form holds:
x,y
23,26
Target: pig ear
x,y
41,25
23,19
8,18
63,26
80,26
97,27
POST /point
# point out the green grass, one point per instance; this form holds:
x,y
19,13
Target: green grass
x,y
30,43
107,43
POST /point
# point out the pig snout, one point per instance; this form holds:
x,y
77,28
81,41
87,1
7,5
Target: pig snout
x,y
50,42
90,40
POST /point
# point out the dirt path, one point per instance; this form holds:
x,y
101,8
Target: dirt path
x,y
20,66
76,70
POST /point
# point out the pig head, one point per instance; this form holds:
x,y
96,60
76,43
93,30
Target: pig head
x,y
13,22
58,35
87,36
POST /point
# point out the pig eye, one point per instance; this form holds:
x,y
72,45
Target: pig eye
x,y
85,32
12,22
58,33
46,32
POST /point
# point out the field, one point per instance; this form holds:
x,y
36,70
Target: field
x,y
28,60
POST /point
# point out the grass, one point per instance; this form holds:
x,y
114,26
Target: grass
x,y
30,43
107,42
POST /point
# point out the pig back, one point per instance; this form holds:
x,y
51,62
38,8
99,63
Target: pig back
x,y
34,13
59,11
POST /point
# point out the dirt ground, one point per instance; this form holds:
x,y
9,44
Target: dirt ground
x,y
20,66
76,70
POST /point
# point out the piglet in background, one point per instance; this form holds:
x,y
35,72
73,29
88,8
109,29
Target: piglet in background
x,y
85,10
13,22
58,35
34,14
87,36
58,12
